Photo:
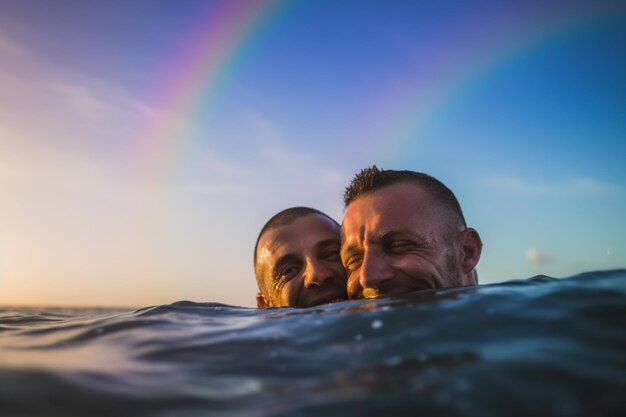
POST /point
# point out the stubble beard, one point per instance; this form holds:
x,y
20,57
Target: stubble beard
x,y
453,274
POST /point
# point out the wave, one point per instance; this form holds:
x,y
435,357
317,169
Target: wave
x,y
541,346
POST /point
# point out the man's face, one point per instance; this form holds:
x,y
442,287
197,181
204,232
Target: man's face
x,y
300,263
396,241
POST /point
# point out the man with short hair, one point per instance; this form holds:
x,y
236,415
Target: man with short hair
x,y
404,231
297,261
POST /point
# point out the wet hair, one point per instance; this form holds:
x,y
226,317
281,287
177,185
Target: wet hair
x,y
284,218
373,178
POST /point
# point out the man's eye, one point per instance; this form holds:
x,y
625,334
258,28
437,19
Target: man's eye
x,y
331,256
400,246
288,272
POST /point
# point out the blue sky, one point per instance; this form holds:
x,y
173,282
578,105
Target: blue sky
x,y
519,107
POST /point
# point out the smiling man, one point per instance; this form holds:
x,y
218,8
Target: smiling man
x,y
297,261
404,231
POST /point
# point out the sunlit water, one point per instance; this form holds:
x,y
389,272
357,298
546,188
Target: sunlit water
x,y
524,348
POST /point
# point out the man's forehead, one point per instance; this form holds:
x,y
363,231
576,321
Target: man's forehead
x,y
405,193
305,231
273,242
397,206
401,195
303,226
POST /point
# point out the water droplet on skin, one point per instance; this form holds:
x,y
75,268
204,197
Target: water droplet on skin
x,y
377,324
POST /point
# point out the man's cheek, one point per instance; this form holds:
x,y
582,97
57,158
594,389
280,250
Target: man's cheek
x,y
353,284
284,295
340,272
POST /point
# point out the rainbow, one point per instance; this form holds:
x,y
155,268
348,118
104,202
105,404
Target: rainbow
x,y
424,101
222,32
226,31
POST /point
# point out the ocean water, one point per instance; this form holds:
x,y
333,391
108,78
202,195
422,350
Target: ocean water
x,y
539,347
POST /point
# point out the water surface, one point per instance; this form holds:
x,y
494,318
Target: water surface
x,y
554,347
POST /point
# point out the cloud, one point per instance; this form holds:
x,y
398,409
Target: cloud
x,y
575,187
9,47
46,102
589,186
275,154
63,140
209,189
81,99
265,130
517,186
539,258
219,165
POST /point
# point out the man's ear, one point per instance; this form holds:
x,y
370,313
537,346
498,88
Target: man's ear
x,y
470,247
261,301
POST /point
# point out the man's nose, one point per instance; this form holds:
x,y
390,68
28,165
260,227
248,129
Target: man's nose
x,y
315,273
375,270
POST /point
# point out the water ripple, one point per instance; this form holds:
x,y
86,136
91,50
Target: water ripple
x,y
542,346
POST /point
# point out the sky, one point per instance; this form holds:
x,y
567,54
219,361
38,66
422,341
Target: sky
x,y
144,143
